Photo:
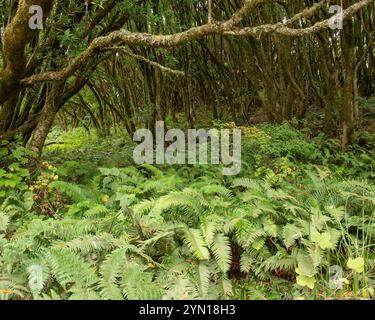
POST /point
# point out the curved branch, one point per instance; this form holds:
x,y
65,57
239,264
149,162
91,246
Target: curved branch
x,y
150,62
224,28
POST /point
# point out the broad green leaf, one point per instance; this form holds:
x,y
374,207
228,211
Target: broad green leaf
x,y
305,266
306,281
28,199
357,264
322,239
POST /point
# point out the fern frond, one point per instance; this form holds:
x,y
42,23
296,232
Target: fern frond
x,y
222,252
246,183
291,233
79,293
203,281
73,191
110,271
4,221
194,240
69,268
89,243
137,284
217,189
38,276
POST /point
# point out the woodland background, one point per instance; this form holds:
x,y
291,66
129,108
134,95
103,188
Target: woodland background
x,y
78,220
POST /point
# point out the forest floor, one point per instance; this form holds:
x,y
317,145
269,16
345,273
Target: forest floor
x,y
296,223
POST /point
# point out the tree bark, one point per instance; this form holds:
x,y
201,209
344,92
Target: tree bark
x,y
17,36
52,106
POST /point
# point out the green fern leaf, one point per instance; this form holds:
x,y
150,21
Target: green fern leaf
x,y
196,243
222,252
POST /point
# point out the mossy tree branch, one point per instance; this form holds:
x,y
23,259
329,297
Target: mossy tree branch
x,y
224,28
17,36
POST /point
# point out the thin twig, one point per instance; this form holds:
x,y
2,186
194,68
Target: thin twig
x,y
153,63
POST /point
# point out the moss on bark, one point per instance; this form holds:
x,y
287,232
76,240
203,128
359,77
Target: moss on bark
x,y
17,36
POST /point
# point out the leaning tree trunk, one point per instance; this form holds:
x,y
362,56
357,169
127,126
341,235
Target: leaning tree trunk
x,y
53,104
17,35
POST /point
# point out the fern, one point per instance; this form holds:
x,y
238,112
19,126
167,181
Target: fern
x,y
11,287
197,244
38,276
79,293
4,221
203,279
89,243
222,252
291,233
208,229
75,192
280,261
137,284
187,199
69,268
143,233
246,183
110,271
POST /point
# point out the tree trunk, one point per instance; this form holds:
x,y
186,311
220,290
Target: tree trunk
x,y
52,106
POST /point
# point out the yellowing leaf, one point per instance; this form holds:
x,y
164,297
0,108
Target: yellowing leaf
x,y
6,291
344,280
357,265
306,281
322,239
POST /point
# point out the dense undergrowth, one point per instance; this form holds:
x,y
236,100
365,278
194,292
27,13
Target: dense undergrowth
x,y
297,223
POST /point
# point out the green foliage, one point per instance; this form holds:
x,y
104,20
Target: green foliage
x,y
154,233
13,169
